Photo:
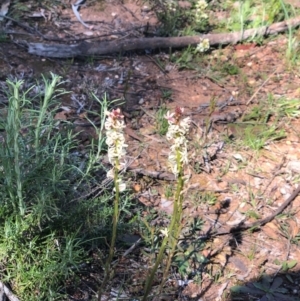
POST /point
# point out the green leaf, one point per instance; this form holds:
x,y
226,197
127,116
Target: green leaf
x,y
246,290
286,265
268,296
201,258
282,290
289,278
276,283
261,286
291,263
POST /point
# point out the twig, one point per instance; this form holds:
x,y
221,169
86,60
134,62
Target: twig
x,y
132,247
130,11
260,87
34,30
157,64
275,174
30,29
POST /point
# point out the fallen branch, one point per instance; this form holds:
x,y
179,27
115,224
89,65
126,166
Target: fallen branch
x,y
107,47
7,292
263,221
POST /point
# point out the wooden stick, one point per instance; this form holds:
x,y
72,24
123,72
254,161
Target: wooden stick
x,y
260,87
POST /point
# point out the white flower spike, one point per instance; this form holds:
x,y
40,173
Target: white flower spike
x,y
115,141
177,131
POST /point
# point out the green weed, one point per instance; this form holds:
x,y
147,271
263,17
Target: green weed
x,y
160,121
184,59
252,14
175,16
286,265
267,288
3,38
257,137
230,69
263,123
188,257
166,94
169,191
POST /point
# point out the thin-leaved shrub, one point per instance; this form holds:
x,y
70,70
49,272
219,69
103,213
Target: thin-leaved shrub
x,y
44,222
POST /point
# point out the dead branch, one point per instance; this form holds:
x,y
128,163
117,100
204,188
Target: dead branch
x,y
107,47
4,289
263,221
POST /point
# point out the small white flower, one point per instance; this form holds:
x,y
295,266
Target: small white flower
x,y
185,123
203,45
165,232
170,117
122,186
110,174
201,4
199,10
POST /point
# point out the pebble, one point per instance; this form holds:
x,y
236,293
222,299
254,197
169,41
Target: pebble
x,y
294,166
145,9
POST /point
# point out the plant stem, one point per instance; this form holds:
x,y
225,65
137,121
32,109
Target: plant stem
x,y
159,258
49,90
114,233
173,230
13,131
175,224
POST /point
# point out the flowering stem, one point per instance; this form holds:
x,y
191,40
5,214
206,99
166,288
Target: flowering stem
x,y
159,258
115,140
114,234
177,131
175,227
173,230
115,220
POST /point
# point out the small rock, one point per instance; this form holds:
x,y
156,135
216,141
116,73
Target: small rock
x,y
169,67
238,157
294,166
88,33
145,9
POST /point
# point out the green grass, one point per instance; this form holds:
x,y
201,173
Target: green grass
x,y
252,14
265,122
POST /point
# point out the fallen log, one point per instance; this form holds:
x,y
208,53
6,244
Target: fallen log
x,y
107,47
